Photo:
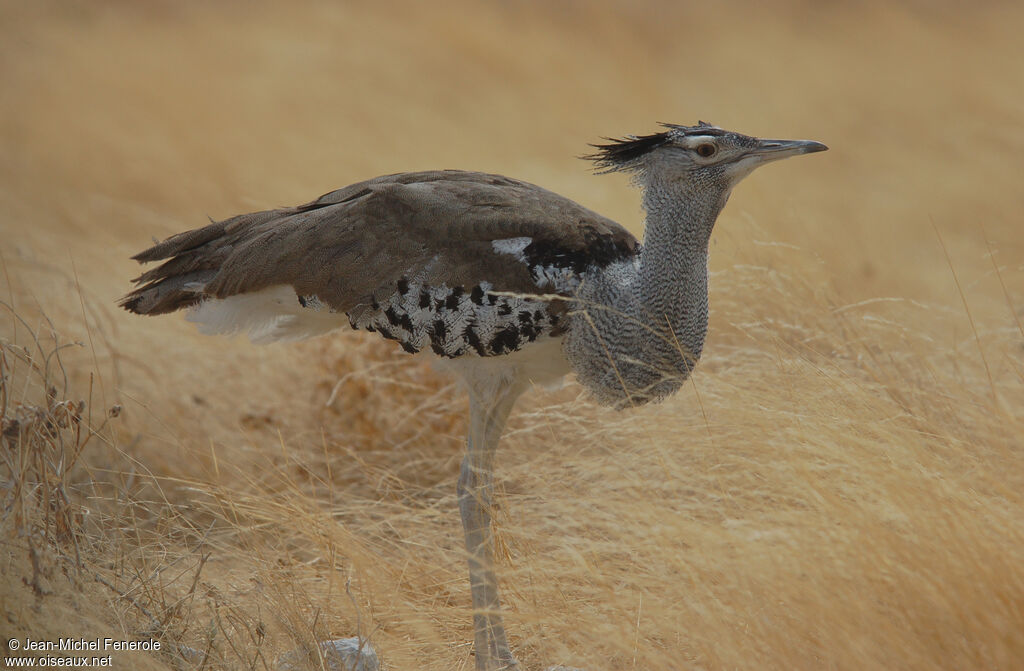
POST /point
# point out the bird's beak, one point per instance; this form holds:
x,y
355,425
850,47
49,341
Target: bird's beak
x,y
773,150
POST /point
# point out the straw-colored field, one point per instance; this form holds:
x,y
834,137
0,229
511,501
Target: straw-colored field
x,y
840,487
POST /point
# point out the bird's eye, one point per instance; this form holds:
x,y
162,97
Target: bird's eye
x,y
706,149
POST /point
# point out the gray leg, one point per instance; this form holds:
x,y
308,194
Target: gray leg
x,y
489,408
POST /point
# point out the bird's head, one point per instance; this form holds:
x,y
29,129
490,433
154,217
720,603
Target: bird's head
x,y
701,154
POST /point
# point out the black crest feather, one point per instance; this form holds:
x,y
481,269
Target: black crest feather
x,y
621,154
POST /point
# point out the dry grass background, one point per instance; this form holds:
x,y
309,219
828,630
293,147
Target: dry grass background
x,y
841,486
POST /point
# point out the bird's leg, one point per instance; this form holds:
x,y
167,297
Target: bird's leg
x,y
489,406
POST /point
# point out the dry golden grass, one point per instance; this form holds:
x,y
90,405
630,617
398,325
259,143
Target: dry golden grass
x,y
840,487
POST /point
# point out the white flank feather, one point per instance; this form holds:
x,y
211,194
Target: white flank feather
x,y
270,315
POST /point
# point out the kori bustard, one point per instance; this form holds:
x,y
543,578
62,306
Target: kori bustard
x,y
506,282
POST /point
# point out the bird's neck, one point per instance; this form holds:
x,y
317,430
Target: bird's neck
x,y
640,328
672,282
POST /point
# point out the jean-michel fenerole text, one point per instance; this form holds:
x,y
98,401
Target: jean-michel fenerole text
x,y
92,644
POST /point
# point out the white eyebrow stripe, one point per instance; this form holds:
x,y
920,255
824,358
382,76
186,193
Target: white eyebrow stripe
x,y
694,140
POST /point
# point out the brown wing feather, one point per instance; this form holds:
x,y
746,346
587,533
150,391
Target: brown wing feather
x,y
355,244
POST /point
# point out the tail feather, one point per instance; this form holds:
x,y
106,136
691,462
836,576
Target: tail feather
x,y
183,242
186,280
168,294
191,261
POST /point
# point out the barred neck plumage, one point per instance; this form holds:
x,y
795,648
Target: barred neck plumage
x,y
640,327
672,282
